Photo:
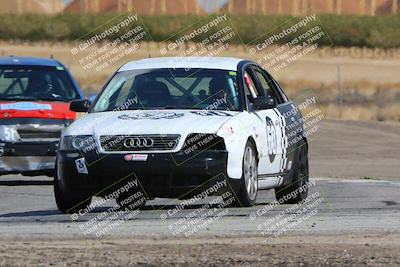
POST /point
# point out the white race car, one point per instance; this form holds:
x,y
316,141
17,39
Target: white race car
x,y
178,126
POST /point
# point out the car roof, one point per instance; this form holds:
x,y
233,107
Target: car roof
x,y
31,61
222,63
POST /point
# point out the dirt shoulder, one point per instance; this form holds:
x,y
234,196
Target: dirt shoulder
x,y
362,249
356,149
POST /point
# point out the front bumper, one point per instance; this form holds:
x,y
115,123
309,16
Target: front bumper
x,y
161,175
28,158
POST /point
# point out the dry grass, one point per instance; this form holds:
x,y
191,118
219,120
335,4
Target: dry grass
x,y
371,81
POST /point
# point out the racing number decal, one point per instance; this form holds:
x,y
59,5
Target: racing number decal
x,y
272,142
9,134
81,166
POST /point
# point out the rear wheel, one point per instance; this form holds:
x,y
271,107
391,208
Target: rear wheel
x,y
68,202
294,193
247,194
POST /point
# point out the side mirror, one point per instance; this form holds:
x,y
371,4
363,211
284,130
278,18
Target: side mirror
x,y
79,105
264,102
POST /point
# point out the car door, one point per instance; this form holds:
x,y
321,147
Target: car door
x,y
290,118
293,119
270,137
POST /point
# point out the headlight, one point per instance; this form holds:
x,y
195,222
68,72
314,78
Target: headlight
x,y
198,141
83,143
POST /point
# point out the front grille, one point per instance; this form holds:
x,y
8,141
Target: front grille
x,y
112,143
38,134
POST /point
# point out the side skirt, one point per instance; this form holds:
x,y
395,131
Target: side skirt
x,y
268,182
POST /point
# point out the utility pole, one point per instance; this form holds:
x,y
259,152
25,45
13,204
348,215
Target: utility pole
x,y
185,9
280,7
163,6
304,5
373,7
153,7
339,7
331,7
230,6
97,8
295,7
263,7
254,8
394,6
362,7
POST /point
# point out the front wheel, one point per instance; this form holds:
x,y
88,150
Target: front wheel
x,y
296,191
68,202
247,193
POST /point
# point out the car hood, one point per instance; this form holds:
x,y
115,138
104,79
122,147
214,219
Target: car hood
x,y
133,122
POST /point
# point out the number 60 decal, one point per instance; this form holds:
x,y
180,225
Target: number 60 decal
x,y
272,142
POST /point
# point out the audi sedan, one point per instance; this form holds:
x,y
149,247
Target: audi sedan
x,y
183,127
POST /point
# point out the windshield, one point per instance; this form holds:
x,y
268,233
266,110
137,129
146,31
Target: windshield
x,y
170,89
35,83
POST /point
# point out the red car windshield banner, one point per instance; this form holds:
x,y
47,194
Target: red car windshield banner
x,y
47,110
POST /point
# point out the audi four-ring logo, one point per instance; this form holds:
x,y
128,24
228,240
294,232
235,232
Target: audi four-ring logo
x,y
138,142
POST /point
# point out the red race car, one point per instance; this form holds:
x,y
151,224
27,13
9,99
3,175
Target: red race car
x,y
34,111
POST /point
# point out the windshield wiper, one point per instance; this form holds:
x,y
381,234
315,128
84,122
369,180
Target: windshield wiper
x,y
18,97
168,107
52,99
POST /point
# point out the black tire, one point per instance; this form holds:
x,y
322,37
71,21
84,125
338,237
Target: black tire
x,y
299,177
126,201
247,192
69,202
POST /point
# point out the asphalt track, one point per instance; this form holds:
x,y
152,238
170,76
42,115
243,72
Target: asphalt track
x,y
28,210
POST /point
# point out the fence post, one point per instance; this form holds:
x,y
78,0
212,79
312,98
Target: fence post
x,y
341,96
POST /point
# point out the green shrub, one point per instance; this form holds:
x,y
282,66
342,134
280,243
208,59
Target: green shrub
x,y
361,31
